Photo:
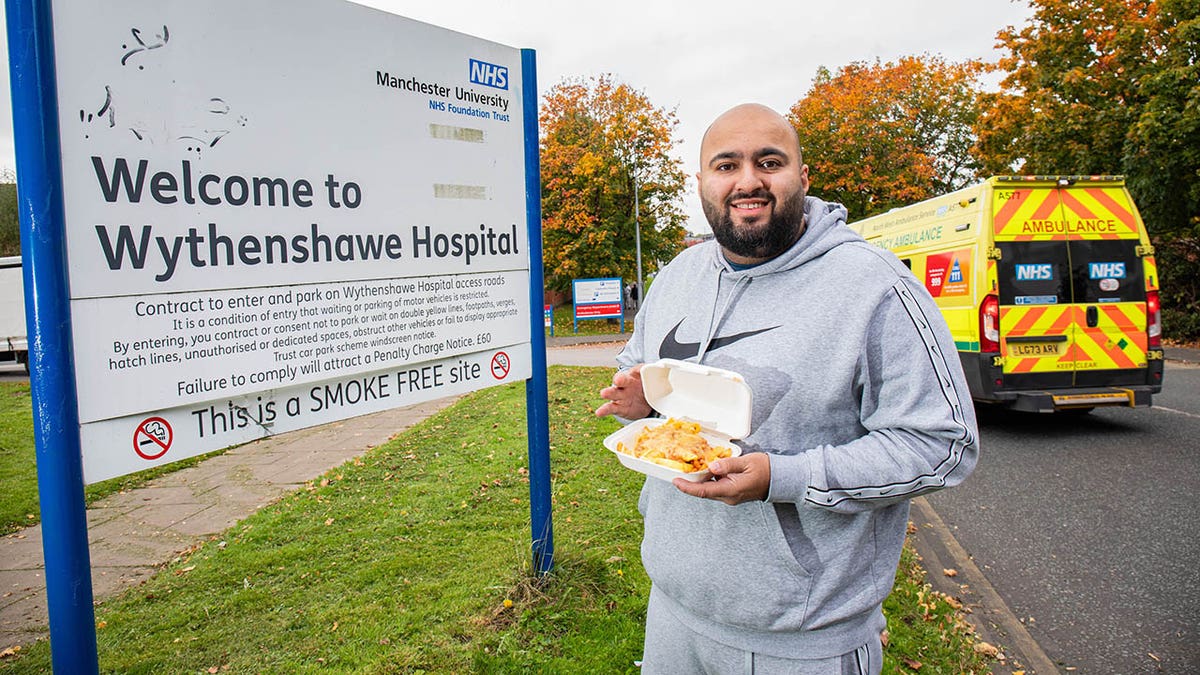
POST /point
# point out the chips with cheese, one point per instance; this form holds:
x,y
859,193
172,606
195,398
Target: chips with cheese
x,y
675,444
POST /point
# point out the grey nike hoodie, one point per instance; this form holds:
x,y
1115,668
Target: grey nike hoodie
x,y
860,401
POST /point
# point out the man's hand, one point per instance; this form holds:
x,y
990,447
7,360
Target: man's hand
x,y
625,396
738,479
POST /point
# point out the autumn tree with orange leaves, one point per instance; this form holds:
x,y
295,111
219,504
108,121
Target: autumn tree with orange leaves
x,y
597,137
881,135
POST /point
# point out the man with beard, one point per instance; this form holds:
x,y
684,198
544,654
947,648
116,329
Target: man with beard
x,y
781,563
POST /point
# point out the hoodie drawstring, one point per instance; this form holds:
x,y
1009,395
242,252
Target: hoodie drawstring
x,y
716,317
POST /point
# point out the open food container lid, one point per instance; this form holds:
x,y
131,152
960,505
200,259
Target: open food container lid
x,y
716,399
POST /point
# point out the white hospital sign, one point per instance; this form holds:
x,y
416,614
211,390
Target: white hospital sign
x,y
265,234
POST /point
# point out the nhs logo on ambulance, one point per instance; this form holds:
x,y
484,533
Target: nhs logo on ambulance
x,y
489,74
1035,272
1106,270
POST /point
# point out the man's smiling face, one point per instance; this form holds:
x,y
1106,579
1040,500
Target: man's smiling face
x,y
752,183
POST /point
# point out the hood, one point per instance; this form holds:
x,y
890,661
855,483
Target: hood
x,y
826,229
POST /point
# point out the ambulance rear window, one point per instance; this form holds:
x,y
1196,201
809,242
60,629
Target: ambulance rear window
x,y
1107,271
1034,273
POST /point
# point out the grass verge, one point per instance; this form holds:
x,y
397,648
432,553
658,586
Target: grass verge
x,y
927,632
415,558
18,467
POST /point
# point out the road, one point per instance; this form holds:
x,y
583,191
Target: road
x,y
598,354
1089,529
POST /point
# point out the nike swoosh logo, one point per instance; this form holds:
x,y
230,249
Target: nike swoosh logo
x,y
672,348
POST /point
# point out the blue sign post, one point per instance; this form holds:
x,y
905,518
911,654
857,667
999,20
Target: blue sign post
x,y
537,403
48,317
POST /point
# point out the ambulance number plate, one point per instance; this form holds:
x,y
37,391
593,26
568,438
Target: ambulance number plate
x,y
1035,349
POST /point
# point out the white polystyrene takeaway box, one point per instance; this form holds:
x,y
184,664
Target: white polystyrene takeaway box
x,y
718,400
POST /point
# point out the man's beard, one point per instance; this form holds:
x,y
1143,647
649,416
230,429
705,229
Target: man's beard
x,y
782,230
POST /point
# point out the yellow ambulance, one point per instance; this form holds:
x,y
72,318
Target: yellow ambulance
x,y
1048,284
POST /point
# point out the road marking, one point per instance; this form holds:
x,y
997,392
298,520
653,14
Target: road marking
x,y
1177,412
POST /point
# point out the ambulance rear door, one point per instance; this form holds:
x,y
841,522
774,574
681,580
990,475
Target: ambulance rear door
x,y
1108,285
1072,297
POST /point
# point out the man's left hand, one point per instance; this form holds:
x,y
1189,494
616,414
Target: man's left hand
x,y
738,479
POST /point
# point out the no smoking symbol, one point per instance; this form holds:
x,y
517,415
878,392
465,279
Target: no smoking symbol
x,y
152,438
500,365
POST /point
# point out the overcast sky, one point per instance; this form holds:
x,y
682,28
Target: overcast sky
x,y
702,57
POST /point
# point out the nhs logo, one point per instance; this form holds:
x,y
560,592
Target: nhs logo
x,y
1106,270
489,74
1035,272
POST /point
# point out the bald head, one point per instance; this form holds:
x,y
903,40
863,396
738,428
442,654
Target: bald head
x,y
751,119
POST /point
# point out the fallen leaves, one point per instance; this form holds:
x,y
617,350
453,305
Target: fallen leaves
x,y
952,601
987,649
950,572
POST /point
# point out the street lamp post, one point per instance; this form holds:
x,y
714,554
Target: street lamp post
x,y
637,229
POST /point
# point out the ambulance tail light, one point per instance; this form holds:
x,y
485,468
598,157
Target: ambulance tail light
x,y
989,324
1153,320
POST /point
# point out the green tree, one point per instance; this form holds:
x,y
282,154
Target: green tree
x,y
1162,148
599,136
1163,162
1072,91
881,135
1110,87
